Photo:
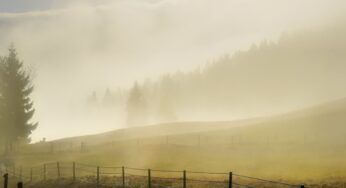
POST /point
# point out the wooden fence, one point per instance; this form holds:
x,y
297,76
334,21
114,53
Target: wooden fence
x,y
128,177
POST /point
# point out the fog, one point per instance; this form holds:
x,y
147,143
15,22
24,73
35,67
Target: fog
x,y
78,47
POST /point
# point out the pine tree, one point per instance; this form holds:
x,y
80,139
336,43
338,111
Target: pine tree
x,y
136,107
108,99
17,105
2,103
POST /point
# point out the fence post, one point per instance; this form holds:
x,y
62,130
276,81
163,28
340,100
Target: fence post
x,y
230,181
30,174
74,171
149,178
58,169
44,172
184,179
5,180
98,176
20,185
123,175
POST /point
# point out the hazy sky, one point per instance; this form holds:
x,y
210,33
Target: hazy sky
x,y
77,46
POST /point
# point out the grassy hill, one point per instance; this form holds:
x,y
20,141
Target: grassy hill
x,y
305,144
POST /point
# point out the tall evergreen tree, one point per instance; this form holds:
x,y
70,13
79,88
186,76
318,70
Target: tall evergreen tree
x,y
136,107
17,105
108,99
2,103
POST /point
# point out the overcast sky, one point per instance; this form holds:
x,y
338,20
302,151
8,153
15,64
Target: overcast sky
x,y
77,46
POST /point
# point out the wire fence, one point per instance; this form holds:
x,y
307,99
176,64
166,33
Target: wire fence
x,y
128,177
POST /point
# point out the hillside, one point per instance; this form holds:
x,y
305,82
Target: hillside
x,y
166,129
313,122
274,147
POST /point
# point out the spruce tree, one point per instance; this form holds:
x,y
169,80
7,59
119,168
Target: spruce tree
x,y
108,99
136,107
2,103
17,105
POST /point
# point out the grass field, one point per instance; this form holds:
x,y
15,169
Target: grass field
x,y
304,146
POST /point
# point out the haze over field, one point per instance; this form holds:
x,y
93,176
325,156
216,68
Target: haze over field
x,y
173,93
78,47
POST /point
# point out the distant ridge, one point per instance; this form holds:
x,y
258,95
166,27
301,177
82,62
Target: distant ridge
x,y
302,119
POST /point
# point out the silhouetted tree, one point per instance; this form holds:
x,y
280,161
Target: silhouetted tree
x,y
136,107
108,99
17,106
2,103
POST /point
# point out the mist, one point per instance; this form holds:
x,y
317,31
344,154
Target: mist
x,y
78,47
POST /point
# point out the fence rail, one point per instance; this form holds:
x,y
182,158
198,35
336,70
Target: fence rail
x,y
126,177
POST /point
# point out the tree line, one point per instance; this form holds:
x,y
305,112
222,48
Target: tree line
x,y
16,106
269,77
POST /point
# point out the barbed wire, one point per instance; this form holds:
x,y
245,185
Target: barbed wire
x,y
264,180
110,173
139,169
168,171
210,173
46,169
168,178
111,167
135,175
208,181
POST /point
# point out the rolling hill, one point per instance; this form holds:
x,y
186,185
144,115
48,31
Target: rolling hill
x,y
305,144
318,122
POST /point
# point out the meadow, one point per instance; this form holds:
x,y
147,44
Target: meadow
x,y
301,147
